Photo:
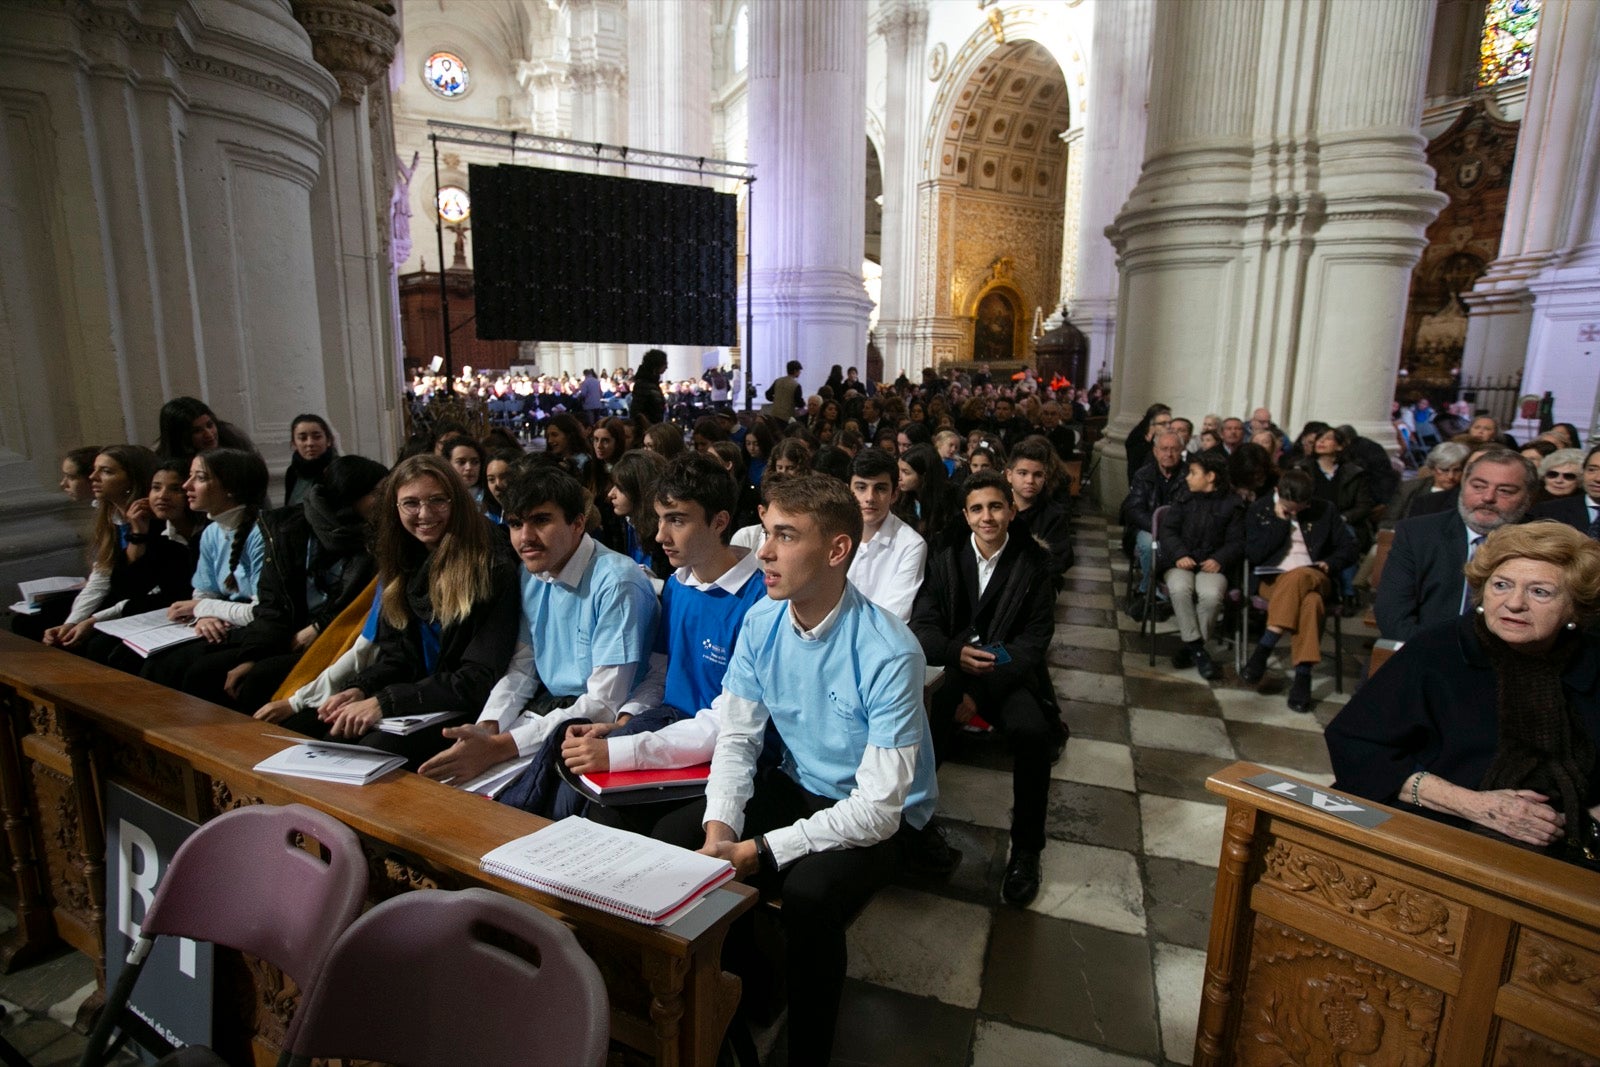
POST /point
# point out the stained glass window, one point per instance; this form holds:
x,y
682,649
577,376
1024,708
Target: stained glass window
x,y
1506,50
445,74
454,204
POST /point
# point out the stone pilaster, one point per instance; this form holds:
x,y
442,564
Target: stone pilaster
x,y
904,27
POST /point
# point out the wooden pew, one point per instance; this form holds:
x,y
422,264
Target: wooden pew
x,y
1409,943
69,726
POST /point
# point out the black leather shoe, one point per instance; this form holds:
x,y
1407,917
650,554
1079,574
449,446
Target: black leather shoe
x,y
1136,608
1255,666
1300,693
1207,667
1021,883
929,852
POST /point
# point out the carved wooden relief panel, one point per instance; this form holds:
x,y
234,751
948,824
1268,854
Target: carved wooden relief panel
x,y
1308,1003
1396,909
1559,971
1524,1048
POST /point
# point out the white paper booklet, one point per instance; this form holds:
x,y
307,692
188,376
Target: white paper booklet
x,y
619,872
402,725
39,590
492,782
149,632
326,761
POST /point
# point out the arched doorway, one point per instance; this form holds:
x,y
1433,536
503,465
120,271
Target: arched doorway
x,y
995,205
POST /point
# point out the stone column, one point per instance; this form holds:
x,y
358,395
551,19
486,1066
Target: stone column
x,y
808,140
1532,307
1113,146
904,26
156,169
356,42
1266,249
1071,219
669,109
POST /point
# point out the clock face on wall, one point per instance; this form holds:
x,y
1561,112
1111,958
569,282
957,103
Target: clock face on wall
x,y
454,204
446,74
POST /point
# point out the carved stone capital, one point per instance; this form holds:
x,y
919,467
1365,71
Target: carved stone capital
x,y
354,39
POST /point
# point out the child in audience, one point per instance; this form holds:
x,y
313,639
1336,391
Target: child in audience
x,y
189,427
496,475
888,566
312,438
447,619
632,500
76,467
1202,544
927,503
466,455
1033,472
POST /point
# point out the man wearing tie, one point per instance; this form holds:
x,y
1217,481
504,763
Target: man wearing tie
x,y
1422,580
1581,511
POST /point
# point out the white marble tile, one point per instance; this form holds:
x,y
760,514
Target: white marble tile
x,y
1247,705
1180,974
1102,601
1090,571
1137,665
1092,762
997,1045
1182,829
1131,625
1084,685
922,944
976,795
1152,728
1071,635
1089,884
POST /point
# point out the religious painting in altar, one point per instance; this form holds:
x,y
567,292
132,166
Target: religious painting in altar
x,y
1473,162
995,328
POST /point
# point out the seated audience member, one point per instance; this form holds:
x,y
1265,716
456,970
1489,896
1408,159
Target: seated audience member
x,y
986,614
632,499
1006,424
588,615
1560,472
674,714
189,427
447,615
317,558
1537,449
1441,473
747,503
1252,471
467,456
1484,430
927,503
76,467
911,434
1343,484
758,446
1159,482
1185,431
1491,720
1304,448
982,458
1043,511
1141,440
708,430
888,566
496,474
1382,477
312,440
1304,541
1202,545
666,440
1231,436
1579,509
230,486
948,444
1422,582
832,461
841,682
119,480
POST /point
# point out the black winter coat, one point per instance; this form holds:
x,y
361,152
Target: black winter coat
x,y
647,399
1266,536
1206,526
343,571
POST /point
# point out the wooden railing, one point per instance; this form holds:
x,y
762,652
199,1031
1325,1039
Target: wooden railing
x,y
68,727
1409,943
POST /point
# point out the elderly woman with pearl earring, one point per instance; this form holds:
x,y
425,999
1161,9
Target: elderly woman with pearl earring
x,y
1492,721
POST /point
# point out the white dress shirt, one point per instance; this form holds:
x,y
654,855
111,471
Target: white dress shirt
x,y
986,566
889,565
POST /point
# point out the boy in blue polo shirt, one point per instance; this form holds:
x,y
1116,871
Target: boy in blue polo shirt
x,y
588,616
841,680
702,608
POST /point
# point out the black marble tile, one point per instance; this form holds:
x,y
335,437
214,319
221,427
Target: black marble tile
x,y
1087,585
1191,698
1177,901
1286,747
1097,722
1094,815
1086,616
1071,979
1169,773
1097,660
886,1028
983,863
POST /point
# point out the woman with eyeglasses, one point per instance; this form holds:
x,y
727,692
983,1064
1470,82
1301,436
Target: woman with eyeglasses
x,y
1560,474
450,601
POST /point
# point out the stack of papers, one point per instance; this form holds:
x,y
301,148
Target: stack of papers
x,y
625,874
402,725
326,761
37,593
148,633
492,782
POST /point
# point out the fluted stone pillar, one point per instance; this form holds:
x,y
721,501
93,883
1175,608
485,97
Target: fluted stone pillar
x,y
156,170
808,141
669,109
904,27
1266,250
1538,306
1113,145
355,41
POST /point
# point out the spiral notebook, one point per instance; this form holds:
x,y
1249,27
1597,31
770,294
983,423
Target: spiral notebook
x,y
622,873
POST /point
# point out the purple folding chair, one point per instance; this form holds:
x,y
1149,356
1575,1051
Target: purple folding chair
x,y
244,881
438,979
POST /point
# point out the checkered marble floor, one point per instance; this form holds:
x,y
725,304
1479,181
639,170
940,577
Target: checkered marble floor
x,y
1104,968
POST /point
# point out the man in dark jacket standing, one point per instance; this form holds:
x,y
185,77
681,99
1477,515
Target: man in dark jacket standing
x,y
986,613
1161,481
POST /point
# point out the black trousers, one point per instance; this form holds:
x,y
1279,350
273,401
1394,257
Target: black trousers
x,y
1031,731
821,893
